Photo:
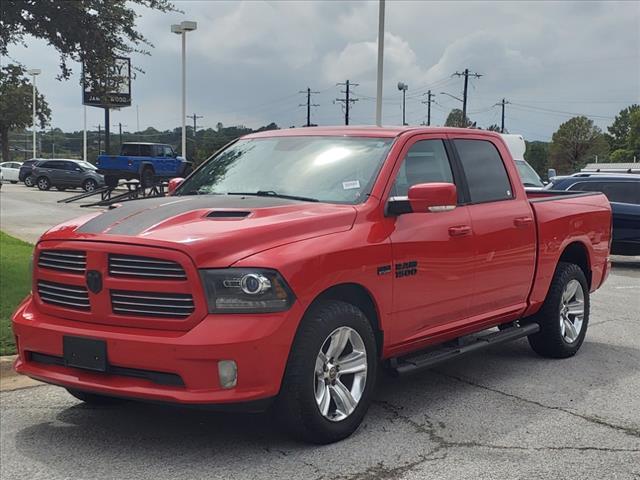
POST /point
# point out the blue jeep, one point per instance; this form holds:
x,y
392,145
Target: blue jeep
x,y
147,162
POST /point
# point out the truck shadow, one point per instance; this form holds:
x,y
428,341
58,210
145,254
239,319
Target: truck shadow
x,y
456,400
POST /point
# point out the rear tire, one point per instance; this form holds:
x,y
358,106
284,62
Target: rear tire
x,y
14,182
29,181
89,185
43,183
111,181
146,177
564,316
320,402
93,398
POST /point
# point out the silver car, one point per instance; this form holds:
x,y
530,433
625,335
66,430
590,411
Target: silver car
x,y
63,173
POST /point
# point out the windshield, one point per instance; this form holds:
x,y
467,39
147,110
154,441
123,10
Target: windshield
x,y
325,169
87,165
528,175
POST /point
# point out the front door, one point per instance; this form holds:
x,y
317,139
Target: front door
x,y
433,252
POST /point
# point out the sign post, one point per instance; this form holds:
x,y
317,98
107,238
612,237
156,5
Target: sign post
x,y
111,92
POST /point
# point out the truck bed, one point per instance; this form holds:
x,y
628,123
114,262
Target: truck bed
x,y
588,216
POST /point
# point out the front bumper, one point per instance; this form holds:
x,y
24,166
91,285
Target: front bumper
x,y
259,345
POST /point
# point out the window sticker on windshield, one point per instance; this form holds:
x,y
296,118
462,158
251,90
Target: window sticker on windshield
x,y
351,184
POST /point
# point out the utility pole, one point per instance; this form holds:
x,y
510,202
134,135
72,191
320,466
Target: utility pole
x,y
308,105
502,104
428,102
195,118
120,132
99,138
107,133
347,101
466,74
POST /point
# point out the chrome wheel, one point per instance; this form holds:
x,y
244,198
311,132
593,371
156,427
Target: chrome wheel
x,y
571,311
340,374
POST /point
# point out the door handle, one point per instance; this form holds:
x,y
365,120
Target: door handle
x,y
522,222
459,230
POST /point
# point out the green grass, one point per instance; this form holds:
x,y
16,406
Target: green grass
x,y
15,283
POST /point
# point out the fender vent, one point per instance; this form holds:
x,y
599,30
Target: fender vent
x,y
227,214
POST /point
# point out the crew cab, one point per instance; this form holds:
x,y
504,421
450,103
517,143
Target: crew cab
x,y
146,162
293,264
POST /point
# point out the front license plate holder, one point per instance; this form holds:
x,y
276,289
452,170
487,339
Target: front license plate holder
x,y
85,353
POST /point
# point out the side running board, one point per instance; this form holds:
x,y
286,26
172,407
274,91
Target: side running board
x,y
459,347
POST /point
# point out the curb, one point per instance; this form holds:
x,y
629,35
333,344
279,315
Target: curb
x,y
10,380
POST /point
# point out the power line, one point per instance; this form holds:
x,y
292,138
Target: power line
x,y
466,74
308,105
347,100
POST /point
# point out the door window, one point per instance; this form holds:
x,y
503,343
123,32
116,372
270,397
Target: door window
x,y
168,151
425,162
55,165
623,192
146,151
130,150
483,167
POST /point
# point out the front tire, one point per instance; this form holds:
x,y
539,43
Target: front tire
x,y
89,185
93,398
43,183
331,373
564,316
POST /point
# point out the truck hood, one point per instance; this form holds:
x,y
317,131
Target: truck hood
x,y
215,230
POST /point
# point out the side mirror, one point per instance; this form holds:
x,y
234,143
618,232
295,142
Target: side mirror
x,y
174,183
433,197
551,173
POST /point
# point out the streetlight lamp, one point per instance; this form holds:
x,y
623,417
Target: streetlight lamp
x,y
182,29
34,72
452,96
403,87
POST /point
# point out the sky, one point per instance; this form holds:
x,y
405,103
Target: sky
x,y
247,61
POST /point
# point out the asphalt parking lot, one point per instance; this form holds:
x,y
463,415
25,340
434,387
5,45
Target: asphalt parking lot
x,y
502,414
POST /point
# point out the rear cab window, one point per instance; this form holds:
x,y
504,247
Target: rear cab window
x,y
484,169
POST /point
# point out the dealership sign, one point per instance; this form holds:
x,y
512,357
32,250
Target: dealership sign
x,y
112,92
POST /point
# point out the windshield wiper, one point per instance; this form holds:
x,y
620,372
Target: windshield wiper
x,y
271,193
199,192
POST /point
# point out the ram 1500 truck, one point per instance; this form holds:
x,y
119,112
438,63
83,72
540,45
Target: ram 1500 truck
x,y
146,162
293,264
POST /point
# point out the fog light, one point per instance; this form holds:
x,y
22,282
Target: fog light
x,y
228,373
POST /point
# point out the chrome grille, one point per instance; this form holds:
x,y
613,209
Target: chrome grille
x,y
145,267
68,296
152,304
63,260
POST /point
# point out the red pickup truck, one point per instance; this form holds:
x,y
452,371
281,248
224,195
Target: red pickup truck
x,y
293,264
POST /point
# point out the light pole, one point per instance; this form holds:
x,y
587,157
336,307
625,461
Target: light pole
x,y
182,29
380,63
403,87
34,72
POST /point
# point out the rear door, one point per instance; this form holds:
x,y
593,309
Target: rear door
x,y
503,227
433,253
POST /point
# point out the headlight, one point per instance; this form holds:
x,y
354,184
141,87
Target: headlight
x,y
246,290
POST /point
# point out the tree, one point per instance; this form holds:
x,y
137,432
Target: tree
x,y
91,32
16,104
537,155
454,119
576,142
620,129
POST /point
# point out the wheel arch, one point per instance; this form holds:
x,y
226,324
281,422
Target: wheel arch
x,y
578,254
359,296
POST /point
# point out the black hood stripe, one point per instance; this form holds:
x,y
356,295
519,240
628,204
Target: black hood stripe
x,y
134,217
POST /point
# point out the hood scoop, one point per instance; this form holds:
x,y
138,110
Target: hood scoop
x,y
227,214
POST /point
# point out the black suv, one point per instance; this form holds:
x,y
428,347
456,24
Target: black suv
x,y
623,192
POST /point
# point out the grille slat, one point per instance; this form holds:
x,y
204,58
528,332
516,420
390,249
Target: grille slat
x,y
63,260
69,296
176,305
145,267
